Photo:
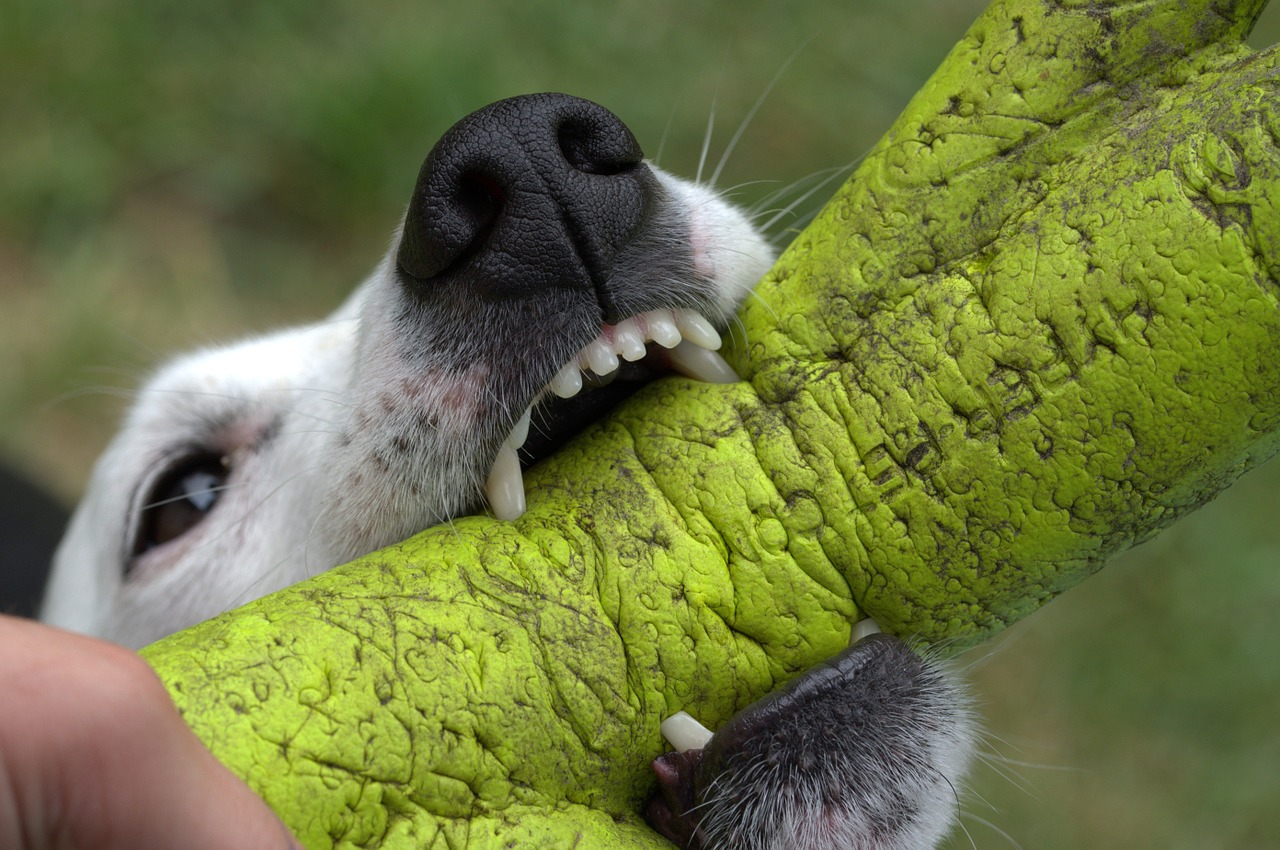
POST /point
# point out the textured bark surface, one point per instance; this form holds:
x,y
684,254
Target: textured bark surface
x,y
1038,325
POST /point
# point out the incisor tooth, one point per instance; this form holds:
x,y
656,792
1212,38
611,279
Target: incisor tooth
x,y
628,340
684,733
505,487
662,329
697,329
600,357
568,381
696,362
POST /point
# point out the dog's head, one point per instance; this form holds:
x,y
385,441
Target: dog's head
x,y
539,253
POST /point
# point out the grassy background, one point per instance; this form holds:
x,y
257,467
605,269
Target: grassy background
x,y
174,173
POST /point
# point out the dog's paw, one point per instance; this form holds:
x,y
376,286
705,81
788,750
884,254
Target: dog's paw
x,y
865,751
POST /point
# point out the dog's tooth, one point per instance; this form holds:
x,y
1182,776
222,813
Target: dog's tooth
x,y
863,628
600,357
568,381
702,364
505,487
520,432
662,328
697,329
684,733
592,381
628,340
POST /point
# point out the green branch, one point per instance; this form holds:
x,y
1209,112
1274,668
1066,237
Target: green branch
x,y
1039,324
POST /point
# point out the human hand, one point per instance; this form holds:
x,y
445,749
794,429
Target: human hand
x,y
94,756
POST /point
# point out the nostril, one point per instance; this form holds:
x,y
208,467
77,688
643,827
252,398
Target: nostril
x,y
482,198
594,149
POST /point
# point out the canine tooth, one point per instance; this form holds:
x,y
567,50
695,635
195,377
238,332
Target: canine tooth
x,y
862,629
505,487
568,381
685,733
702,364
520,432
662,329
697,329
628,340
600,357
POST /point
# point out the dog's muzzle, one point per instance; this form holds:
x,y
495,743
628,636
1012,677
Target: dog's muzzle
x,y
541,251
528,194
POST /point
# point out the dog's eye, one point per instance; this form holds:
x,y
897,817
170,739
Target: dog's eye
x,y
181,497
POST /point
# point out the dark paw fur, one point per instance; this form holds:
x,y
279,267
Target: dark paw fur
x,y
862,751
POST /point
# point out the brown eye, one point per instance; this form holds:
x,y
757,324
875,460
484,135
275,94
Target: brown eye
x,y
181,497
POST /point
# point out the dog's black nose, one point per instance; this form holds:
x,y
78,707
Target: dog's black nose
x,y
528,193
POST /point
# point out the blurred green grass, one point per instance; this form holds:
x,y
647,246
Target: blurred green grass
x,y
178,173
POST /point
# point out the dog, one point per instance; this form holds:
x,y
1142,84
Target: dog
x,y
540,256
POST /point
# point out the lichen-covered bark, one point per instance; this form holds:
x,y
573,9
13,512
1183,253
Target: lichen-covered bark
x,y
1044,310
1038,324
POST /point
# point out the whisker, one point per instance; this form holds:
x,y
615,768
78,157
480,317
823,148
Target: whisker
x,y
828,177
248,593
784,190
706,141
968,835
219,489
125,393
755,107
666,131
768,225
983,821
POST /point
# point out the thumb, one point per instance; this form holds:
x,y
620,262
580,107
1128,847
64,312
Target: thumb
x,y
93,754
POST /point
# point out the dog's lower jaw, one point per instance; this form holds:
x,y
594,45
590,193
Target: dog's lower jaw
x,y
866,751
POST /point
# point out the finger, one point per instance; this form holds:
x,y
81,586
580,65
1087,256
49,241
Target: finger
x,y
94,755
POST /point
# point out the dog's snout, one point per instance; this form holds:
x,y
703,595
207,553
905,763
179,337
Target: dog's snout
x,y
529,193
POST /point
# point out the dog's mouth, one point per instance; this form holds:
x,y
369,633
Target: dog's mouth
x,y
540,211
621,359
